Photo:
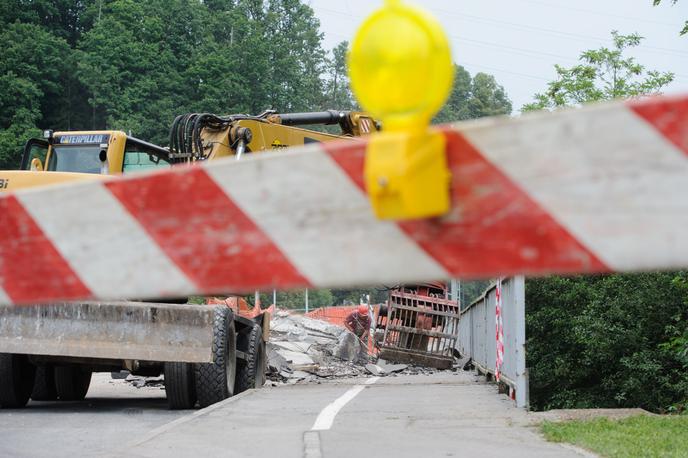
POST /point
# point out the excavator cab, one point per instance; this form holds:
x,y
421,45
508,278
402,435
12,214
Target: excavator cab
x,y
76,156
95,152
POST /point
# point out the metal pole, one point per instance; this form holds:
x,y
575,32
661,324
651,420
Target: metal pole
x,y
454,290
522,387
306,300
274,297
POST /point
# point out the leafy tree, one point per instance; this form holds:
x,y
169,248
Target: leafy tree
x,y
603,74
602,341
338,93
673,2
296,299
474,97
31,71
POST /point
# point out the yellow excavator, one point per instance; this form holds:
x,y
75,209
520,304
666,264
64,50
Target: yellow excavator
x,y
83,155
206,352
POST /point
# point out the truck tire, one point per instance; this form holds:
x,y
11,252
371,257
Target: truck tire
x,y
215,381
17,375
179,385
71,383
44,385
251,372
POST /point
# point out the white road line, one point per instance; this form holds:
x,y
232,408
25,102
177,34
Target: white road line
x,y
327,415
311,445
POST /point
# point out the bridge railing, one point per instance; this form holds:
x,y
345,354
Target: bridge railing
x,y
478,335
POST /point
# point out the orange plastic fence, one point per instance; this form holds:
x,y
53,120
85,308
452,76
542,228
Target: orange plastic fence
x,y
337,315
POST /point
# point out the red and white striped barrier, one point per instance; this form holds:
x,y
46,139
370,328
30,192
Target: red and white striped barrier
x,y
603,188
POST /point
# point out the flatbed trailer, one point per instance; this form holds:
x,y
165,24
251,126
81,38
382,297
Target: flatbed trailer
x,y
206,352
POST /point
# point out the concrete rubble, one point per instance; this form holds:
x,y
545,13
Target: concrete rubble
x,y
304,350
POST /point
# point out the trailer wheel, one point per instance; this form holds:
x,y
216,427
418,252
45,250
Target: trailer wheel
x,y
17,375
44,385
251,372
71,383
215,381
179,385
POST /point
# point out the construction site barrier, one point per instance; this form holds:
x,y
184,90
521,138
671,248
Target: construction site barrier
x,y
597,189
479,335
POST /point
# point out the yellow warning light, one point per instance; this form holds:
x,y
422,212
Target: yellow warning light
x,y
401,72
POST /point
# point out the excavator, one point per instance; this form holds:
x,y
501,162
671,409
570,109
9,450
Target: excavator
x,y
74,156
206,352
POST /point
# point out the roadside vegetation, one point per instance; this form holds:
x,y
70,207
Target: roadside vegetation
x,y
640,436
607,340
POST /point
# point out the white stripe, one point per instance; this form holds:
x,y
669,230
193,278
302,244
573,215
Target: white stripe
x,y
327,415
324,224
609,177
104,244
4,298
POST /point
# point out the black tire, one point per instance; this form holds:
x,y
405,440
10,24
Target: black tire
x,y
44,385
179,385
71,383
251,372
215,381
17,375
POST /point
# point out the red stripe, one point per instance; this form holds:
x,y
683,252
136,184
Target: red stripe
x,y
31,268
209,238
493,226
669,115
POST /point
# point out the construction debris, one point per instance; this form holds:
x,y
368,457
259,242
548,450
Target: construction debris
x,y
305,350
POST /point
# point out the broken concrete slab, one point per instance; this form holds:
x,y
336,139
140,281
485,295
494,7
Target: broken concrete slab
x,y
391,368
300,347
375,369
348,347
321,327
296,359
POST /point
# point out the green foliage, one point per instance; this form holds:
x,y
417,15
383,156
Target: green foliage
x,y
639,436
602,341
603,74
337,89
471,290
673,2
135,65
474,97
296,299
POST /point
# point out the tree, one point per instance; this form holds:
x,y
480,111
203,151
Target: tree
x,y
600,341
603,74
338,93
673,2
33,66
473,97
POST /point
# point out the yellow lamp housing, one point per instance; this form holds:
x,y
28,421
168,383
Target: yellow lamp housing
x,y
401,72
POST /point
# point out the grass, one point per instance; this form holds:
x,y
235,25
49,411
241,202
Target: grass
x,y
639,436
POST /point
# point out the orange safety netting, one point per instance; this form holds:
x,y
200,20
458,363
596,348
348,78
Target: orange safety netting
x,y
337,316
240,306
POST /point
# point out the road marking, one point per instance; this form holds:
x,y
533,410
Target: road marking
x,y
311,439
327,415
311,445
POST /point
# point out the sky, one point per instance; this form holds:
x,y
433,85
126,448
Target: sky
x,y
520,41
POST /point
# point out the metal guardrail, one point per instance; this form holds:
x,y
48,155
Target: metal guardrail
x,y
477,335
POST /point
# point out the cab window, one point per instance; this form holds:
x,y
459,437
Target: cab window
x,y
139,158
35,148
75,158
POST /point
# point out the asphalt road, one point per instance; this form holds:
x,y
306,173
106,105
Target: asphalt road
x,y
407,416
